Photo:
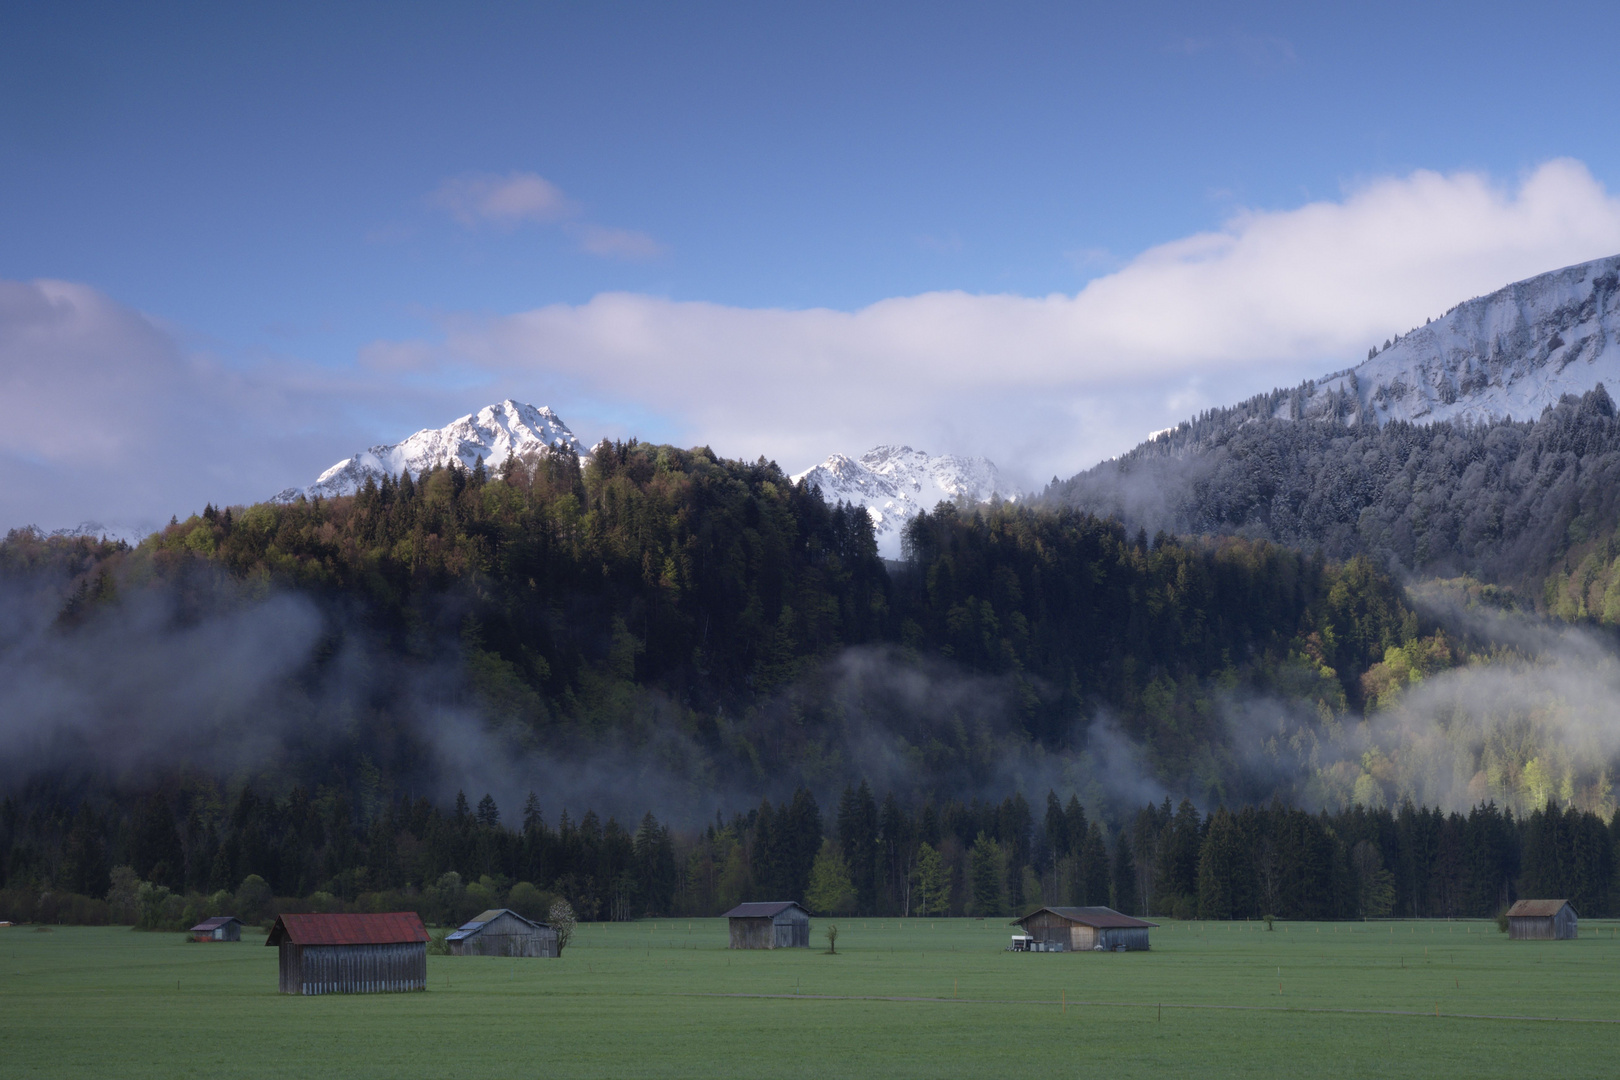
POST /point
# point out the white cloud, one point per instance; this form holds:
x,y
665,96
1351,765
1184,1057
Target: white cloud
x,y
504,200
521,198
104,415
1053,383
617,243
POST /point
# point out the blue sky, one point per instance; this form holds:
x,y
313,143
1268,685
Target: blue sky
x,y
320,226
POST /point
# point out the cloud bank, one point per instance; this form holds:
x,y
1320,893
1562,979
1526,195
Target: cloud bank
x,y
102,411
1056,382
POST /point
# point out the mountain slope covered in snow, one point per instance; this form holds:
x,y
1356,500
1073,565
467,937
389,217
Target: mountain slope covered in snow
x,y
895,483
1507,355
1484,442
492,433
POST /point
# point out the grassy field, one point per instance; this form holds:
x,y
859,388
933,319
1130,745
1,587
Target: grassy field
x,y
926,998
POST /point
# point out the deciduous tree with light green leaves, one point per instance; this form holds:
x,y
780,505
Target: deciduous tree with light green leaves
x,y
831,891
932,894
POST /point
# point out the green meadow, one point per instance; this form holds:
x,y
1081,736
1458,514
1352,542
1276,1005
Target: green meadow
x,y
919,998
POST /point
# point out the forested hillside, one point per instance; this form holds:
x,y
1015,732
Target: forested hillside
x,y
1507,502
295,695
663,593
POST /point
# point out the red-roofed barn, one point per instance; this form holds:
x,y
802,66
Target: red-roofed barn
x,y
351,954
219,928
1084,929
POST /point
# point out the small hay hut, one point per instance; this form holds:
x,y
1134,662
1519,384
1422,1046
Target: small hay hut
x,y
781,924
1084,929
502,932
1542,920
219,928
351,954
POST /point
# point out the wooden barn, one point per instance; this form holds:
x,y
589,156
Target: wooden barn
x,y
782,924
1542,920
351,954
219,928
1083,929
502,932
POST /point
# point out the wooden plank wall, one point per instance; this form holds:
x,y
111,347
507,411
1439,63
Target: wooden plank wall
x,y
1560,927
352,969
792,929
531,943
752,934
1131,939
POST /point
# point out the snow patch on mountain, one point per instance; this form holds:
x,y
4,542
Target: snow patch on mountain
x,y
492,433
1510,354
896,483
96,530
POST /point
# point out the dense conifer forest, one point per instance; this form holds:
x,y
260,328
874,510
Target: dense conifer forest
x,y
1512,503
273,707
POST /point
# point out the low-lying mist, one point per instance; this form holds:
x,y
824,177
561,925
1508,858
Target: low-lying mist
x,y
252,683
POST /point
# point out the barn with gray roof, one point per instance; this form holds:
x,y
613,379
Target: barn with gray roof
x,y
780,924
502,932
1542,920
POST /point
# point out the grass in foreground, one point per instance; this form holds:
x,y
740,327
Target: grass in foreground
x,y
643,999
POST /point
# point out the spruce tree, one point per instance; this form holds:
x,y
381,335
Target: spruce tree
x,y
1124,877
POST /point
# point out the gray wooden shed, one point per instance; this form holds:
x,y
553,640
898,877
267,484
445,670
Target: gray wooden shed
x,y
1542,920
781,924
1084,929
502,932
219,928
351,954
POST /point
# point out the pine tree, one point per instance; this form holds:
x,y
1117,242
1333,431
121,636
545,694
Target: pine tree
x,y
987,877
1094,867
1224,890
489,815
1124,877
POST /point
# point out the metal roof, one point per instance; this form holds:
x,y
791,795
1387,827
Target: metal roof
x,y
763,911
213,924
393,928
468,929
1536,909
1102,918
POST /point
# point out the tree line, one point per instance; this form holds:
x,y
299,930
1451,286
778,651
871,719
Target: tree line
x,y
181,852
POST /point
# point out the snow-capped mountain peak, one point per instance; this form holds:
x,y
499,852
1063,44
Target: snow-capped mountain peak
x,y
895,483
510,427
1509,354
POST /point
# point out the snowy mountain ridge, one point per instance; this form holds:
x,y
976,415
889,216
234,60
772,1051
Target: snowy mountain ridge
x,y
1509,354
492,433
896,483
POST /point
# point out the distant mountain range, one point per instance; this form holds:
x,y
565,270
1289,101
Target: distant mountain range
x,y
893,483
1509,355
492,433
896,483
